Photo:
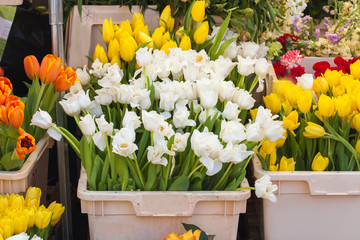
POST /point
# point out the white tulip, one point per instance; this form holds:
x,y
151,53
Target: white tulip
x,y
99,139
213,166
143,56
112,78
41,119
254,133
131,120
207,91
205,144
123,94
180,141
262,67
83,76
95,109
262,51
167,101
265,189
274,131
243,99
87,125
104,126
104,96
305,81
246,66
155,154
232,131
151,120
140,99
231,51
181,118
191,73
70,106
249,49
21,236
231,111
264,117
226,90
98,69
54,134
124,145
234,153
208,113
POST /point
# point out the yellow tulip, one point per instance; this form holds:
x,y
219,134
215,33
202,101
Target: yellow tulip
x,y
313,130
1,237
280,142
357,146
338,91
125,26
4,203
113,49
127,49
319,163
16,201
292,93
185,43
343,105
354,105
273,157
137,20
143,38
286,106
165,17
107,31
116,28
304,101
100,54
280,87
287,164
179,33
116,60
198,11
274,167
291,121
326,106
268,147
169,45
333,77
143,29
31,213
158,37
253,113
43,217
33,196
20,224
171,24
201,33
172,236
7,226
272,102
355,69
189,235
166,36
320,85
57,210
355,123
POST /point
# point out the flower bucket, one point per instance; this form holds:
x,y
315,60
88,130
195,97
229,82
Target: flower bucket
x,y
153,215
312,205
33,172
82,35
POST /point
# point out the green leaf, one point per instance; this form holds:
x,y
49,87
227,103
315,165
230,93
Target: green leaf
x,y
232,186
223,47
9,161
180,184
85,156
95,171
219,37
151,177
192,227
187,18
205,44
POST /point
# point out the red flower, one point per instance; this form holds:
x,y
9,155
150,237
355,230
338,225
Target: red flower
x,y
321,66
342,63
1,72
318,74
280,70
296,72
285,38
337,69
351,61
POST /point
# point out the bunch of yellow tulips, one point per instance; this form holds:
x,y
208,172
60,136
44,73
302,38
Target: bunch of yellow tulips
x,y
189,235
322,118
124,39
19,214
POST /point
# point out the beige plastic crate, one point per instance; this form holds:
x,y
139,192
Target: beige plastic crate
x,y
153,215
11,2
82,35
312,205
34,172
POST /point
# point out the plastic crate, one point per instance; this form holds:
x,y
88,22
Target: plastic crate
x,y
34,172
153,215
83,34
312,205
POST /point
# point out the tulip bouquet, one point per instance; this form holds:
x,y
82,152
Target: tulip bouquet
x,y
322,121
25,219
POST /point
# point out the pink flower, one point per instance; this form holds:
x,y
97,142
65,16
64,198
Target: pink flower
x,y
292,59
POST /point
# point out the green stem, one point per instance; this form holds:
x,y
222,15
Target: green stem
x,y
111,160
241,81
193,171
42,88
108,108
242,188
139,172
253,84
223,176
69,139
53,101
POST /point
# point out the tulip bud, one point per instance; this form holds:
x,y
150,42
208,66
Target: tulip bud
x,y
57,210
5,89
343,105
179,33
113,49
253,113
304,101
201,33
143,38
32,67
116,60
319,163
198,11
274,167
170,24
280,142
355,70
100,54
125,26
169,45
137,20
16,201
247,12
65,79
355,123
268,147
20,224
4,203
127,49
287,164
107,31
291,121
158,37
272,102
50,68
320,85
313,130
31,213
185,43
25,145
42,218
32,198
15,112
165,17
167,37
326,106
245,36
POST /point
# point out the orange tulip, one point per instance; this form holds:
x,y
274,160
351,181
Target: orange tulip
x,y
65,79
50,68
5,89
3,115
15,112
25,145
32,67
1,72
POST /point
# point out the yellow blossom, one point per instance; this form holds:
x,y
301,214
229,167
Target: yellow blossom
x,y
158,37
268,147
272,102
343,105
185,43
100,54
42,218
292,94
169,45
127,49
319,163
126,27
326,106
253,113
107,31
33,195
304,101
320,85
143,38
287,164
113,49
201,33
137,20
333,77
355,69
165,17
355,123
313,130
198,11
274,167
280,142
291,121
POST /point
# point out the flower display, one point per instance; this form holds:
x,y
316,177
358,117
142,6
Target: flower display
x,y
22,217
321,117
